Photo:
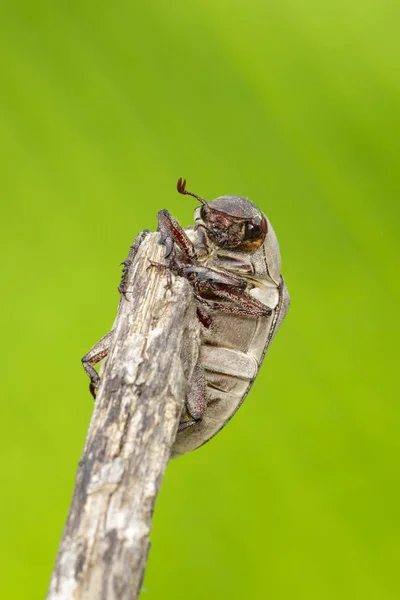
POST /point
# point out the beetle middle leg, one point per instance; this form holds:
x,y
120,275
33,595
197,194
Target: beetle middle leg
x,y
208,275
239,302
210,286
95,355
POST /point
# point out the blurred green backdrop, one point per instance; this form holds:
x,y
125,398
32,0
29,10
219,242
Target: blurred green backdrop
x,y
296,105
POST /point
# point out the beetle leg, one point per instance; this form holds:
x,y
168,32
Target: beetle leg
x,y
203,317
240,304
172,233
185,424
129,259
196,401
207,275
95,355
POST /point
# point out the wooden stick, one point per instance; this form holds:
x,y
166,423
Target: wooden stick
x,y
155,346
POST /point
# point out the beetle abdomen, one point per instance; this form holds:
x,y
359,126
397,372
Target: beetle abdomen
x,y
233,347
226,361
230,355
230,371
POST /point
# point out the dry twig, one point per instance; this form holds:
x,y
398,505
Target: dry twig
x,y
105,543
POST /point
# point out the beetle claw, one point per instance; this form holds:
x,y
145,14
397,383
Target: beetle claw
x,y
168,242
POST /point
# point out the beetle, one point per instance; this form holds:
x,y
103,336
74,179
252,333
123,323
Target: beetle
x,y
232,260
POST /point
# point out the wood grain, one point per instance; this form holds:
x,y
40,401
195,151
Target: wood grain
x,y
105,543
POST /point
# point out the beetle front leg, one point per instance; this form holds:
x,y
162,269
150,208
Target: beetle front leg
x,y
129,259
172,233
95,355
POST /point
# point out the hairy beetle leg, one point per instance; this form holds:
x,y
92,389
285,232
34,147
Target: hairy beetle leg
x,y
244,310
239,303
95,355
201,274
172,233
129,259
208,282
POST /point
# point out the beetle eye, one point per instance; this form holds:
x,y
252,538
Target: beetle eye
x,y
252,231
203,212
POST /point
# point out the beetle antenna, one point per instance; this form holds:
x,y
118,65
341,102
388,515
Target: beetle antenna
x,y
181,187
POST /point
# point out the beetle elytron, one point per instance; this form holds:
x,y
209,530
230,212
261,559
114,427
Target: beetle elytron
x,y
231,258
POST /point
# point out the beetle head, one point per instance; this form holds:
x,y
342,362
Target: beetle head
x,y
231,222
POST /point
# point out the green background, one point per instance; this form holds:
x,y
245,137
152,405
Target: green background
x,y
294,104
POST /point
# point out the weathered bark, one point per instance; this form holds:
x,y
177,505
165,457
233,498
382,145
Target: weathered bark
x,y
105,543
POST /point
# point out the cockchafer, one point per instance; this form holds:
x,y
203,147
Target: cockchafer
x,y
231,259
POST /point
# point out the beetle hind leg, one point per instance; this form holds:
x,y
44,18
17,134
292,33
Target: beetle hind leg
x,y
95,355
196,401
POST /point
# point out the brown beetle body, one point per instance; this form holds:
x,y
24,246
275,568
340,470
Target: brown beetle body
x,y
231,258
234,346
